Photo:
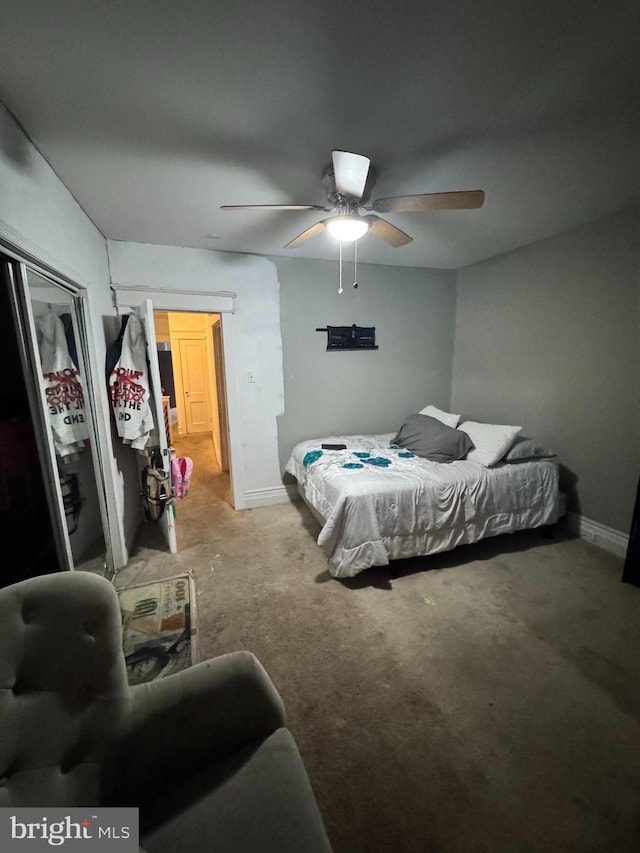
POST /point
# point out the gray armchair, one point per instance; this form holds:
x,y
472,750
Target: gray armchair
x,y
204,753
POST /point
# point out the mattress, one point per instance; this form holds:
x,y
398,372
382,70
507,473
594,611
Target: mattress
x,y
376,502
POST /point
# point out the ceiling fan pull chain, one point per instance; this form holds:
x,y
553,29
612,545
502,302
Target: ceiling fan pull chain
x,y
355,264
340,291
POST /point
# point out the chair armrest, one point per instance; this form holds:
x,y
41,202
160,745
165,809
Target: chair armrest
x,y
186,720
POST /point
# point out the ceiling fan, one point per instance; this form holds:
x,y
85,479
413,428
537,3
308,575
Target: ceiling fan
x,y
348,182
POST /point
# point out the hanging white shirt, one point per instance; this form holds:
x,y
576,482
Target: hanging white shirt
x,y
129,388
62,388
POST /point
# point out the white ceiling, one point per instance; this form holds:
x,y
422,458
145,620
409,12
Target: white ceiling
x,y
156,112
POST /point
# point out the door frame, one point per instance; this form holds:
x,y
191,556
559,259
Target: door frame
x,y
201,302
210,334
631,572
221,391
185,389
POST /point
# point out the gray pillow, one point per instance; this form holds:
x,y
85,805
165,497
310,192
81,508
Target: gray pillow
x,y
524,449
430,438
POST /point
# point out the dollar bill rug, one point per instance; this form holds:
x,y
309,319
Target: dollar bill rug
x,y
158,627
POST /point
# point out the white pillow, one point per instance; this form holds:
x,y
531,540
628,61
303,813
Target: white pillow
x,y
444,417
491,441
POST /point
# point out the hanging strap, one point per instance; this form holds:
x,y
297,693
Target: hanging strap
x,y
155,488
71,499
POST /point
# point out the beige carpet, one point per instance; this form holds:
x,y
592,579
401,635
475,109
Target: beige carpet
x,y
482,700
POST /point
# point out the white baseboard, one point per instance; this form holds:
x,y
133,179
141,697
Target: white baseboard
x,y
266,497
601,535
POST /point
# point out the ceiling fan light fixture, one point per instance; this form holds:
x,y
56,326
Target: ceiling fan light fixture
x,y
347,229
348,182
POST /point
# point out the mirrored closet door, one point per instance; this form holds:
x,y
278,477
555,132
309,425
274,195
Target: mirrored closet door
x,y
50,326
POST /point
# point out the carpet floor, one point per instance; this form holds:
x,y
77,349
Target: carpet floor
x,y
486,699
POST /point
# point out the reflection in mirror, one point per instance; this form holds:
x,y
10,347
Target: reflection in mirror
x,y
68,419
24,508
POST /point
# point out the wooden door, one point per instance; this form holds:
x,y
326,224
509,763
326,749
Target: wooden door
x,y
221,388
166,521
194,372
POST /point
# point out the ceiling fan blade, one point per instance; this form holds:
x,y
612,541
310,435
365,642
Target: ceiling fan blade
x,y
461,200
272,207
318,228
386,231
350,173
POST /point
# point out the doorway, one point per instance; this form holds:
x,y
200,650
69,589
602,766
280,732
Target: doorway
x,y
192,374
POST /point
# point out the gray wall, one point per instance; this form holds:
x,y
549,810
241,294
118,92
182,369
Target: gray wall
x,y
548,337
326,393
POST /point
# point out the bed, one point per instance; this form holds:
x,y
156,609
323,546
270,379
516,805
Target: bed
x,y
378,501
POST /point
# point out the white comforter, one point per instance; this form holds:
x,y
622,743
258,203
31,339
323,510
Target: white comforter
x,y
411,506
